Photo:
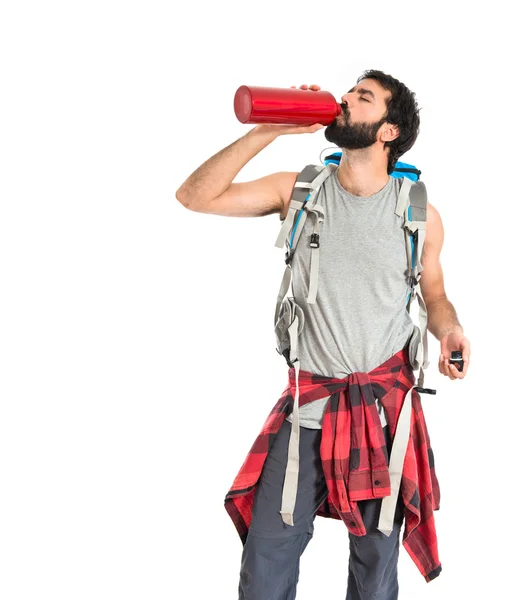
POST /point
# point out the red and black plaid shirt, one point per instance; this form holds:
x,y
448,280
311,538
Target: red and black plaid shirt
x,y
354,454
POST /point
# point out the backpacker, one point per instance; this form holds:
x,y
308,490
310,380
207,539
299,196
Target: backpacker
x,y
411,205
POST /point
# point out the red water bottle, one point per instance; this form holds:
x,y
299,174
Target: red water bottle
x,y
288,106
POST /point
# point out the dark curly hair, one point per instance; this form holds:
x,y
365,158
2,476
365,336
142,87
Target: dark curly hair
x,y
401,110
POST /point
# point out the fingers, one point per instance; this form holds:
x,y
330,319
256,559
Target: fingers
x,y
313,87
464,368
466,365
443,366
309,128
466,352
454,372
449,369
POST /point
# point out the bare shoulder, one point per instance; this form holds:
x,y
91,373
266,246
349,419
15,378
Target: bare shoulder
x,y
287,182
434,230
434,220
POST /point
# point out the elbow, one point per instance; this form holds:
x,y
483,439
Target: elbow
x,y
182,199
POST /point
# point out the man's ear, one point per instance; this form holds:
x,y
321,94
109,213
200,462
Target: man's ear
x,y
389,132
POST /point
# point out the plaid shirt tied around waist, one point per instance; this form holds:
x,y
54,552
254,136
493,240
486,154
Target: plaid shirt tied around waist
x,y
355,458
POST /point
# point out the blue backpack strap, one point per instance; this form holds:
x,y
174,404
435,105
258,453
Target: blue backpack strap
x,y
403,169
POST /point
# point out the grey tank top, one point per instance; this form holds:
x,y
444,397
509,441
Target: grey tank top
x,y
360,318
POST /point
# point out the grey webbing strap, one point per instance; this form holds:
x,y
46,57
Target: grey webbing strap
x,y
415,226
290,484
293,332
412,227
395,467
416,197
316,183
299,199
316,211
402,433
295,205
421,234
422,349
408,253
288,501
402,200
289,494
308,204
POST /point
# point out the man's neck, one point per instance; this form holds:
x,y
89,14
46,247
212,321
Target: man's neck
x,y
359,175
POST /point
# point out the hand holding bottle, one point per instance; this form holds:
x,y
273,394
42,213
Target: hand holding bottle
x,y
280,111
281,129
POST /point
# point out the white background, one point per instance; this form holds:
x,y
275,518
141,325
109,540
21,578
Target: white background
x,y
137,346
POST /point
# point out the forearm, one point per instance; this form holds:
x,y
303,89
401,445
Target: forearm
x,y
215,175
442,318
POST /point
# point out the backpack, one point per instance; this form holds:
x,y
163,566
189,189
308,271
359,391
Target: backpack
x,y
411,205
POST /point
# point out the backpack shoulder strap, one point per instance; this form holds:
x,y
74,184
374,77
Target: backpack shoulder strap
x,y
412,206
296,216
417,222
308,183
303,202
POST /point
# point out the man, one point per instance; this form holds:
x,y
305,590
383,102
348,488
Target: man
x,y
357,325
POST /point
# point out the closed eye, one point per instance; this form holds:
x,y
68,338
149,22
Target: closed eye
x,y
365,99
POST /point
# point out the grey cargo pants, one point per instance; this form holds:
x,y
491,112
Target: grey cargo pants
x,y
271,554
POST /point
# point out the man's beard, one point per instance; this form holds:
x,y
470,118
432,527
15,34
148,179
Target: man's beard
x,y
353,136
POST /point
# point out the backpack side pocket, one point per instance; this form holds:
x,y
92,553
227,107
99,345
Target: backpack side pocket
x,y
288,311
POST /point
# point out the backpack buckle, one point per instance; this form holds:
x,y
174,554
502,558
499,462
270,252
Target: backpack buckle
x,y
422,390
286,354
288,257
315,240
413,281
